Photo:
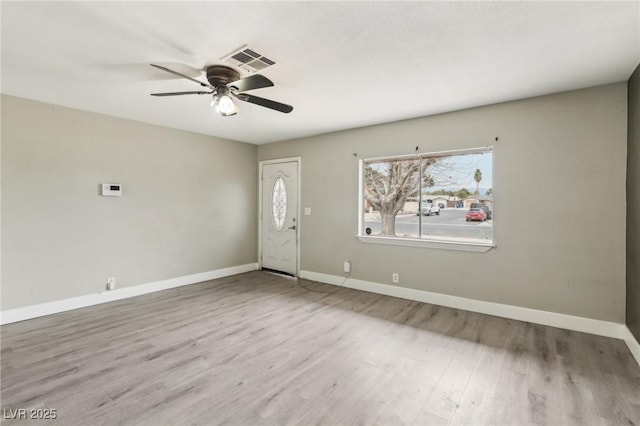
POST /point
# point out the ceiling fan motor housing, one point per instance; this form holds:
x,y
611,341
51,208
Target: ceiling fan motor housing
x,y
221,75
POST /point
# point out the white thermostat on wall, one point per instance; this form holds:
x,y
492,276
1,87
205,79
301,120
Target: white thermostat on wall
x,y
111,190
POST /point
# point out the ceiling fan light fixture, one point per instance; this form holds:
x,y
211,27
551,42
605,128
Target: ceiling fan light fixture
x,y
226,106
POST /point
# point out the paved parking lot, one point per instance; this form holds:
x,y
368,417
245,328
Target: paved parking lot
x,y
450,223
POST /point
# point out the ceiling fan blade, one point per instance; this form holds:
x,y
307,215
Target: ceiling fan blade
x,y
181,93
267,103
182,75
252,82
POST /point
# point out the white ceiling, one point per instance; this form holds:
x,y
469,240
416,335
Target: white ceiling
x,y
340,64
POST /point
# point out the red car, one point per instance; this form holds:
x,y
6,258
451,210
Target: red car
x,y
476,214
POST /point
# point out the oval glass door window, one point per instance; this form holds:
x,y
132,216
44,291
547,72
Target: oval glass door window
x,y
279,203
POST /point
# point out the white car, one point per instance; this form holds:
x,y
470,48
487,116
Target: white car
x,y
427,209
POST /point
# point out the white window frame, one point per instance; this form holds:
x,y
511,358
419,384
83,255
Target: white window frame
x,y
433,242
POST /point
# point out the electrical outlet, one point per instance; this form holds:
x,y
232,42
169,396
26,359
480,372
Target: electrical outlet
x,y
347,267
111,283
395,278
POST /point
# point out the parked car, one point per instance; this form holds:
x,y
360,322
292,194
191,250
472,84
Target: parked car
x,y
427,209
441,205
476,214
487,211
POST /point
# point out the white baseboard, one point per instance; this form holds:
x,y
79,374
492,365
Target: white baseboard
x,y
568,322
632,343
34,311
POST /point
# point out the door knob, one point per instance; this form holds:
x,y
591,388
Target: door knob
x,y
292,227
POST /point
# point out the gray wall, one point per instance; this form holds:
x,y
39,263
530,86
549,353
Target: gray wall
x,y
633,207
560,248
189,203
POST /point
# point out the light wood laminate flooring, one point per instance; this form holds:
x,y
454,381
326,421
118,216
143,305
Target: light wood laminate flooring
x,y
257,349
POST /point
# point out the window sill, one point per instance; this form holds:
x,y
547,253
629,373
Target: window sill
x,y
443,244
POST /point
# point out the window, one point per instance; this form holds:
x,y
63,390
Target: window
x,y
431,199
279,203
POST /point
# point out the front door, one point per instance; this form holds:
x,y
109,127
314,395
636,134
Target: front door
x,y
279,222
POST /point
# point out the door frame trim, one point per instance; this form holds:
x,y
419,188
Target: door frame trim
x,y
261,163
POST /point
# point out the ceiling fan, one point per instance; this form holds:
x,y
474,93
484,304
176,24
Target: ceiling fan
x,y
224,83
